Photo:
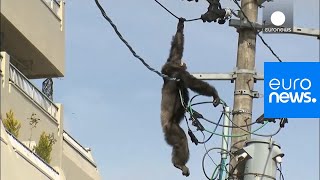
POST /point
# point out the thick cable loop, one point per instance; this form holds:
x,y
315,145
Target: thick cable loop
x,y
207,153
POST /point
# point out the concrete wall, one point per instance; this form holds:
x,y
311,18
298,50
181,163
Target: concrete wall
x,y
80,159
35,35
69,158
18,163
13,98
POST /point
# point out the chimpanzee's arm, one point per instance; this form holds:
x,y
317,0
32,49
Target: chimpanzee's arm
x,y
197,85
177,43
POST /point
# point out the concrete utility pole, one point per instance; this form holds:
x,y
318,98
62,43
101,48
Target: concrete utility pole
x,y
243,94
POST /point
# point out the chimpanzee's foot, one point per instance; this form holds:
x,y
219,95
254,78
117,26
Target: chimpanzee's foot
x,y
184,169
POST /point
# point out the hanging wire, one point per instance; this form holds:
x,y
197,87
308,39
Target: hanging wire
x,y
213,131
253,133
188,20
128,45
217,166
209,102
205,148
252,26
280,171
234,124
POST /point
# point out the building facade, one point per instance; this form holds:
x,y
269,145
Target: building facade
x,y
32,41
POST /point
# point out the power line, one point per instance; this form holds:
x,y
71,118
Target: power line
x,y
128,45
263,41
187,20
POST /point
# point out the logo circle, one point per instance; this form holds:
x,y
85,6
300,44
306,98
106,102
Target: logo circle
x,y
278,18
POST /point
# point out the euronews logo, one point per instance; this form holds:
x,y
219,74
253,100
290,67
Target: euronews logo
x,y
278,16
292,90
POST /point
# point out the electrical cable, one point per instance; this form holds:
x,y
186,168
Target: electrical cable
x,y
237,135
213,131
204,157
214,172
128,45
209,102
281,176
205,147
261,38
234,168
253,133
190,111
221,125
187,20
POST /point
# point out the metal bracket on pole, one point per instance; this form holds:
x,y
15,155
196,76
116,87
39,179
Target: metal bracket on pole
x,y
253,94
241,111
244,24
248,71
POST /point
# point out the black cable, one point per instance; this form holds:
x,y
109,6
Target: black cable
x,y
127,44
205,147
213,131
221,125
262,135
234,124
205,141
263,41
188,20
234,168
167,9
281,176
204,157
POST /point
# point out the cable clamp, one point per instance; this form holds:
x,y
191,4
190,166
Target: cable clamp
x,y
253,94
245,71
241,111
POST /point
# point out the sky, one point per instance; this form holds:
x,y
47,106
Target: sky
x,y
112,102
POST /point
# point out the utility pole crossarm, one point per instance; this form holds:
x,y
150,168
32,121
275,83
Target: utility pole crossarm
x,y
223,76
236,23
306,32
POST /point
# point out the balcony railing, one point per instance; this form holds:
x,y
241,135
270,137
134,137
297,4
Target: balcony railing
x,y
83,151
33,157
33,92
54,5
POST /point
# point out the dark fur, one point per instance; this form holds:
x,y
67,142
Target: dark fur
x,y
172,111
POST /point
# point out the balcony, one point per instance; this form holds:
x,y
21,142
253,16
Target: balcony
x,y
84,152
18,91
23,98
78,157
32,32
19,157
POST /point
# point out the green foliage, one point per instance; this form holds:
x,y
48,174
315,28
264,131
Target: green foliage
x,y
44,146
11,124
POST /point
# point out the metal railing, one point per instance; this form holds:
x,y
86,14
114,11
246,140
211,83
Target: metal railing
x,y
32,91
77,146
33,157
